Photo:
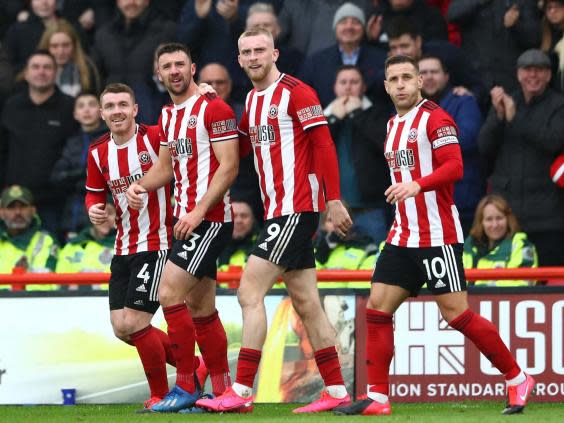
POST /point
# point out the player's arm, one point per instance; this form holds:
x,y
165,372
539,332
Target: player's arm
x,y
95,200
326,165
159,175
227,155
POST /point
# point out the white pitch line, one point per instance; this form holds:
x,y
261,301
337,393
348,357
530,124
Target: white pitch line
x,y
121,388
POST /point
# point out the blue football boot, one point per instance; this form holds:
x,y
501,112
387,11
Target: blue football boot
x,y
176,400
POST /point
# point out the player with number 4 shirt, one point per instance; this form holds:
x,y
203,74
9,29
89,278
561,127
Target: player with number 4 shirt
x,y
425,242
143,236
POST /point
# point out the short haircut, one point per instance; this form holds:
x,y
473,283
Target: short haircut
x,y
402,25
261,8
42,52
172,48
349,67
117,88
434,57
253,32
398,59
86,94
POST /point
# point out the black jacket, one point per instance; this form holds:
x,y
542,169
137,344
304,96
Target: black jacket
x,y
32,139
522,152
22,39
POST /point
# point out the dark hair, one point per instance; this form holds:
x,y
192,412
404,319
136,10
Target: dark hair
x,y
349,67
117,88
398,59
86,93
172,48
42,52
402,25
433,57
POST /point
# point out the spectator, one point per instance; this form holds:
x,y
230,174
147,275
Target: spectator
x,y
466,114
35,124
91,250
9,10
494,34
124,48
320,69
207,27
6,76
245,232
216,75
75,71
523,134
358,129
495,241
306,25
70,169
404,38
23,243
453,29
552,42
22,37
428,20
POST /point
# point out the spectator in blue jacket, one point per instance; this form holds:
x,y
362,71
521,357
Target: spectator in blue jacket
x,y
320,68
466,113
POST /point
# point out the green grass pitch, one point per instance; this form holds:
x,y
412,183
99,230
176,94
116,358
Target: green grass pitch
x,y
470,411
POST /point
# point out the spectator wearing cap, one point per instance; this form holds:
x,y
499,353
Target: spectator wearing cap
x,y
23,243
494,34
522,136
320,69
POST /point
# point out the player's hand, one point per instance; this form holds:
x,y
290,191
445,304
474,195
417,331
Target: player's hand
x,y
511,16
97,214
134,196
374,27
339,217
402,191
509,107
227,9
202,8
204,89
187,223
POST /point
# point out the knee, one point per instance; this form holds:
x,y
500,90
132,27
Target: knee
x,y
123,329
249,299
167,295
451,312
307,309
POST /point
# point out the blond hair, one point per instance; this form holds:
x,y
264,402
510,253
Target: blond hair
x,y
253,32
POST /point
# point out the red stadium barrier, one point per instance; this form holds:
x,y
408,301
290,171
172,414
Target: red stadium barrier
x,y
232,277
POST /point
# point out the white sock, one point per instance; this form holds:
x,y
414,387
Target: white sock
x,y
242,390
337,391
517,380
376,396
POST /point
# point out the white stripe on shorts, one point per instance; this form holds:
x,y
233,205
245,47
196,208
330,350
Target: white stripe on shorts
x,y
283,239
454,281
202,249
159,265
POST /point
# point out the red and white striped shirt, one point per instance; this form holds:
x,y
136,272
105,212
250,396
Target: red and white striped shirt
x,y
189,129
114,168
275,121
430,218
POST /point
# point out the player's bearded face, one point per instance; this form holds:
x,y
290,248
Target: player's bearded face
x,y
256,57
176,71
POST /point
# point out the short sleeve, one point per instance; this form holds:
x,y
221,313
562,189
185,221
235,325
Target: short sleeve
x,y
220,121
94,179
306,106
441,129
163,140
243,126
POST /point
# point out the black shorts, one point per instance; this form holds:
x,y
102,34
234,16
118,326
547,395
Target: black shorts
x,y
198,254
410,268
287,240
134,282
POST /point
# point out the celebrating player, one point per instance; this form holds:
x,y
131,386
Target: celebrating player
x,y
200,150
295,159
425,241
143,236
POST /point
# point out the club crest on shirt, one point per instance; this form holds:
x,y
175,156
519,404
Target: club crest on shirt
x,y
273,111
412,136
144,157
192,121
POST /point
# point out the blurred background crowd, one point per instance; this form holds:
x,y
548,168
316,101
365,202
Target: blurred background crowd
x,y
497,66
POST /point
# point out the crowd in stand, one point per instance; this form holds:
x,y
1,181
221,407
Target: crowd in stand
x,y
497,67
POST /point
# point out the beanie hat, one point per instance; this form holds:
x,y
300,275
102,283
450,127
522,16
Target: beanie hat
x,y
349,10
